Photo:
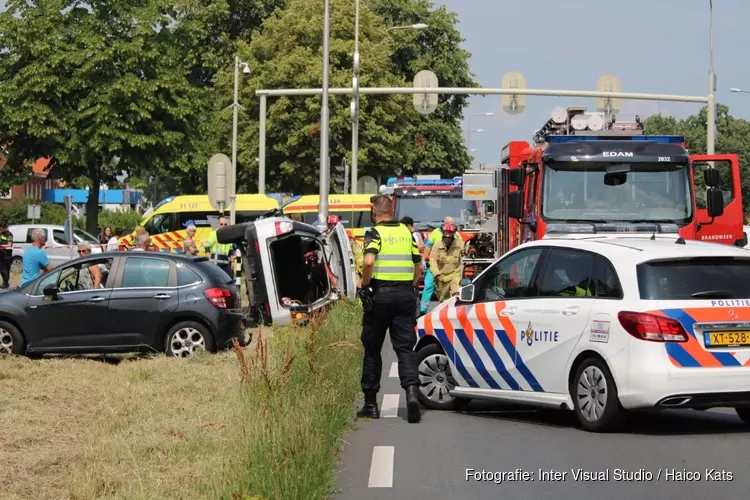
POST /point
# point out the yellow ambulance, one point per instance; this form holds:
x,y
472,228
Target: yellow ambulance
x,y
167,223
353,210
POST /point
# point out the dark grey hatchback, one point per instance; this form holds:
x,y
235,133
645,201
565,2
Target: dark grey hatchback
x,y
123,302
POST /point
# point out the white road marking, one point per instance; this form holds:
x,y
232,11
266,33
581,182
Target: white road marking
x,y
389,408
381,468
394,370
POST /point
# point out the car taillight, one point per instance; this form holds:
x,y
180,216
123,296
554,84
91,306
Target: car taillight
x,y
283,227
652,328
218,296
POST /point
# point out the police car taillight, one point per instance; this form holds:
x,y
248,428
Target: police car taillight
x,y
283,227
218,296
652,328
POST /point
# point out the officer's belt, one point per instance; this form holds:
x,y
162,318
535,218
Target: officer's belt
x,y
407,286
221,258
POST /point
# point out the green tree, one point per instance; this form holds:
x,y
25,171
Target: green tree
x,y
733,137
104,86
288,54
439,143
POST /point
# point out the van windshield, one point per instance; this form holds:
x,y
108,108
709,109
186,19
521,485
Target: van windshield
x,y
703,278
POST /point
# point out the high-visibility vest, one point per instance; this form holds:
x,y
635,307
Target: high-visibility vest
x,y
394,261
218,251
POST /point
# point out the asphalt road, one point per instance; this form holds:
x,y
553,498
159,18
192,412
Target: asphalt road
x,y
390,458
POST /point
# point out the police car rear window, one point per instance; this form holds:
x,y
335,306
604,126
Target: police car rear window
x,y
695,279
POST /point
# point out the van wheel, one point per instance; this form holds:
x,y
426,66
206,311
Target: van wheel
x,y
744,413
186,338
231,234
11,340
436,380
594,393
16,265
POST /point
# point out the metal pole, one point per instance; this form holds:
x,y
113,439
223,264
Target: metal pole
x,y
235,115
262,146
346,176
711,108
483,91
355,123
324,163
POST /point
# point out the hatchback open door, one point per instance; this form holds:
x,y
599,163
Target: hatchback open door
x,y
728,227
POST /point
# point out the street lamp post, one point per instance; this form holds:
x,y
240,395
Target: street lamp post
x,y
324,163
235,116
468,129
711,105
477,131
355,93
739,91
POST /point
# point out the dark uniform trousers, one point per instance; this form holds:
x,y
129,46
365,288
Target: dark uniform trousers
x,y
393,310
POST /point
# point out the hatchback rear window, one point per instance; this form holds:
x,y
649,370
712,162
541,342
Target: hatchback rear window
x,y
695,279
217,275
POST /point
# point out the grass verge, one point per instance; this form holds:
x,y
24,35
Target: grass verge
x,y
265,421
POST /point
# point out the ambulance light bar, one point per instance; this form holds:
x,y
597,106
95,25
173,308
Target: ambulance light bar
x,y
664,139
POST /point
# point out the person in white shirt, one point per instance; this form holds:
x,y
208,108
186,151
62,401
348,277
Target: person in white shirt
x,y
113,245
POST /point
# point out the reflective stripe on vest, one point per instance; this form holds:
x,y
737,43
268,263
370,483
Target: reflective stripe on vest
x,y
394,261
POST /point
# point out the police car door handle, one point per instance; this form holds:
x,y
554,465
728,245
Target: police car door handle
x,y
569,311
508,311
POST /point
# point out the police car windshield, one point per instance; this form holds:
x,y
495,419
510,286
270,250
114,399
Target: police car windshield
x,y
433,209
609,192
721,280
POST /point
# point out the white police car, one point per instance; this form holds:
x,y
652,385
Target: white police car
x,y
596,325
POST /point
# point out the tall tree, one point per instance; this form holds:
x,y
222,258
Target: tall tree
x,y
103,86
733,137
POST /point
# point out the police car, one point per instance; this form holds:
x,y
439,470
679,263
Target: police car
x,y
597,325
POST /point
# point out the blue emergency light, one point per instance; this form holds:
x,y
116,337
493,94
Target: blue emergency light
x,y
411,181
162,202
664,139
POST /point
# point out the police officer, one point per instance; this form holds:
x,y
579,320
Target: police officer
x,y
220,252
390,271
6,254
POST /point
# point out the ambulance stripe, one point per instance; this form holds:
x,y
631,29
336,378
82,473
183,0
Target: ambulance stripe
x,y
476,360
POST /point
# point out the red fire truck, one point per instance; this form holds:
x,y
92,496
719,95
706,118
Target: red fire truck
x,y
586,173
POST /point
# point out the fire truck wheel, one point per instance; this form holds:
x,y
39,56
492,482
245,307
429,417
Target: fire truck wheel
x,y
436,380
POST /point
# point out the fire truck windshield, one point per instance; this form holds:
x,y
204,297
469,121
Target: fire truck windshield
x,y
610,192
431,210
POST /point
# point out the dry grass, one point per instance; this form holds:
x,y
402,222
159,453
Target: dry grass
x,y
265,420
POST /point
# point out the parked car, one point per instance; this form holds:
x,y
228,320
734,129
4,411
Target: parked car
x,y
146,302
57,247
292,269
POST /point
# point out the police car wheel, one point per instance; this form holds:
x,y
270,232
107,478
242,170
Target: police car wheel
x,y
596,404
11,340
186,338
744,414
436,380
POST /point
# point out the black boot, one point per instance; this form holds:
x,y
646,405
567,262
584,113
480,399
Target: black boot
x,y
370,408
413,415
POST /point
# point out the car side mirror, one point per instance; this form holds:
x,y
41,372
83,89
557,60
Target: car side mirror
x,y
464,282
50,291
515,204
466,294
711,177
714,202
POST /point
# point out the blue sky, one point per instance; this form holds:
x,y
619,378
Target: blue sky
x,y
653,46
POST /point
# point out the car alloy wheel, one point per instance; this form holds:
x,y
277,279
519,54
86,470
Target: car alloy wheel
x,y
6,342
435,379
592,393
186,341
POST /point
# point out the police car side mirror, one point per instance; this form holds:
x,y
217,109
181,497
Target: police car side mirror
x,y
515,204
466,294
714,202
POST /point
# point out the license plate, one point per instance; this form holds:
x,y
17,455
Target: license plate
x,y
727,339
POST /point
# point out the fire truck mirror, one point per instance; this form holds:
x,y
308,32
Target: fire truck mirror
x,y
515,204
714,202
615,179
711,177
517,176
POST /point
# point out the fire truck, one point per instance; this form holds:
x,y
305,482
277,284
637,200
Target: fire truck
x,y
587,173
